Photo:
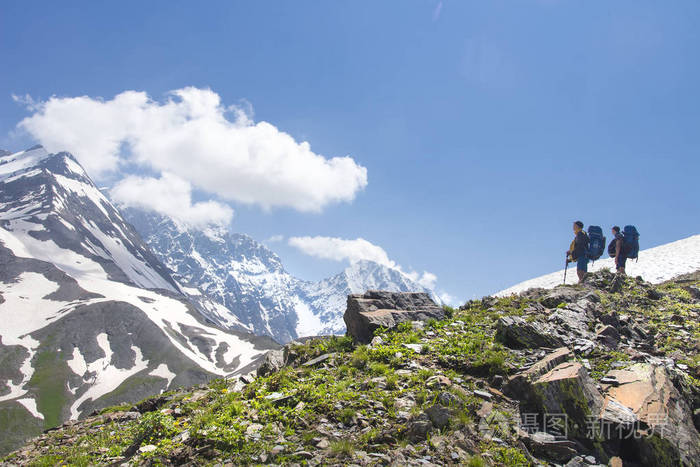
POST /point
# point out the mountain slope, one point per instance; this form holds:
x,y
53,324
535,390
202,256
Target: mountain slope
x,y
655,265
90,316
248,279
483,387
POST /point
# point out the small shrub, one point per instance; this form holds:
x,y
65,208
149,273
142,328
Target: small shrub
x,y
342,447
154,426
359,357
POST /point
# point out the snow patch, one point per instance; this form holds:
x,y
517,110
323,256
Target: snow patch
x,y
107,376
77,364
163,371
29,403
308,323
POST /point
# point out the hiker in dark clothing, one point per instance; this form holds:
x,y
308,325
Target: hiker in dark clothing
x,y
620,256
577,252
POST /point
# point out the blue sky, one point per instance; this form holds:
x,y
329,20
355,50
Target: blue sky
x,y
485,128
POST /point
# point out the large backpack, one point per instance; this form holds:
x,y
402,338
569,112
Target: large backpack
x,y
631,239
612,248
596,242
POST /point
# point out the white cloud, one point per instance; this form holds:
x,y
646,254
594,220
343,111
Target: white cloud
x,y
427,279
448,299
171,196
275,239
339,249
191,135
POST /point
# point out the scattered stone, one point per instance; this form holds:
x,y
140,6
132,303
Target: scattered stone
x,y
317,360
548,446
419,428
483,394
374,309
323,444
438,415
277,450
438,380
609,336
417,348
148,448
485,409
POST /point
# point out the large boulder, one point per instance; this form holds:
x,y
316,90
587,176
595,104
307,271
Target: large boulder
x,y
516,333
565,390
374,309
667,435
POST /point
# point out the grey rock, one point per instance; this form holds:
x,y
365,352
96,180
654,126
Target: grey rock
x,y
548,446
566,389
609,336
374,309
438,415
273,361
419,428
317,360
561,295
520,382
517,333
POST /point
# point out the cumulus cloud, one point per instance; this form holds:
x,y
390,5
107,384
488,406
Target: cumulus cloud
x,y
171,196
191,135
275,239
340,249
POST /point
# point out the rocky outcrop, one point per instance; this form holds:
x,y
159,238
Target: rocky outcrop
x,y
380,309
566,389
665,424
516,333
517,385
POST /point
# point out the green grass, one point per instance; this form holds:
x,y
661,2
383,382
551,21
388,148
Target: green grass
x,y
47,382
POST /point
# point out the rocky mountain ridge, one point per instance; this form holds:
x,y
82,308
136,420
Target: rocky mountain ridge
x,y
249,284
89,315
607,373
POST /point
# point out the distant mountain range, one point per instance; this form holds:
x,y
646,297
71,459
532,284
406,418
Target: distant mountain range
x,y
92,315
249,284
655,265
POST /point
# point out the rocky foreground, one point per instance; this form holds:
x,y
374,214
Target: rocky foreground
x,y
602,374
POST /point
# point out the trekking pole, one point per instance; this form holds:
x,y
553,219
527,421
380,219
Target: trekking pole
x,y
566,266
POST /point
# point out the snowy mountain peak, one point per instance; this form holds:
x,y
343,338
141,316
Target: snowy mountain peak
x,y
14,164
90,316
246,278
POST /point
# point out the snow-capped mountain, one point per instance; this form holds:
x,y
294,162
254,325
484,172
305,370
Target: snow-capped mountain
x,y
247,278
655,265
90,317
